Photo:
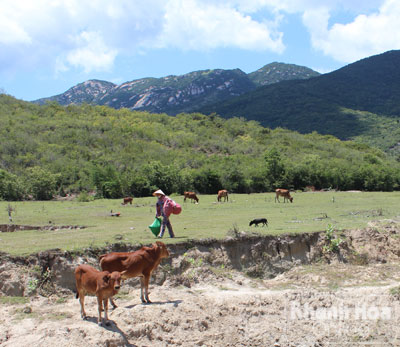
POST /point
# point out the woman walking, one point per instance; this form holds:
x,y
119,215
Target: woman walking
x,y
164,207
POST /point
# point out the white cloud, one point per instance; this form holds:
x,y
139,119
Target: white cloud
x,y
39,32
196,25
364,36
91,53
11,32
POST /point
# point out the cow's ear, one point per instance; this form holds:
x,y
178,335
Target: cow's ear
x,y
106,278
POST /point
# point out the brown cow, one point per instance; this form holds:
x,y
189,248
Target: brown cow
x,y
140,263
223,194
102,284
127,200
190,195
283,192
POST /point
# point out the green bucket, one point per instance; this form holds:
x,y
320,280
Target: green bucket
x,y
156,226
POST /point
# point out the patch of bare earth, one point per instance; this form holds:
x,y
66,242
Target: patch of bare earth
x,y
201,298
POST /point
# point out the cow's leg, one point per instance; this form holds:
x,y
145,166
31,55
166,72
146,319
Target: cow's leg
x,y
113,304
100,308
146,287
105,304
141,289
82,302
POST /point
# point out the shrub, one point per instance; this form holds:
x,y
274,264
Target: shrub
x,y
85,197
41,183
10,187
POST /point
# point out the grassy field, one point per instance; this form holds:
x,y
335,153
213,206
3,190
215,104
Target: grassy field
x,y
309,212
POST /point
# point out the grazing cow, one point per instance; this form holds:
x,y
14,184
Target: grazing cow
x,y
257,221
127,200
140,263
190,195
102,284
283,192
223,194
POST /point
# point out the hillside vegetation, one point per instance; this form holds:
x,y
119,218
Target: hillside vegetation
x,y
49,149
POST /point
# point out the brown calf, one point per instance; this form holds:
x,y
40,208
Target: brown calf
x,y
283,192
102,284
190,195
140,263
223,194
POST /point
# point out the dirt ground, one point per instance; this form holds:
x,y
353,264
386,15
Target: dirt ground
x,y
201,298
314,305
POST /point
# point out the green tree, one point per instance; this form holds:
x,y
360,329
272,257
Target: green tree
x,y
234,181
41,183
275,168
207,181
10,187
107,181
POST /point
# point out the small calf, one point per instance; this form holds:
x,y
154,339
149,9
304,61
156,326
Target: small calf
x,y
102,284
257,221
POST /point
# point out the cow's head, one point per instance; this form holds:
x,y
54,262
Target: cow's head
x,y
113,280
291,199
163,249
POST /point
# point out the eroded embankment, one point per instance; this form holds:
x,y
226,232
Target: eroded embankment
x,y
259,256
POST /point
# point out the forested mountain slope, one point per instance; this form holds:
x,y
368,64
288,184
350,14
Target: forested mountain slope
x,y
348,103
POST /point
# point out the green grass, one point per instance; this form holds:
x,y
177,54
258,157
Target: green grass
x,y
13,300
310,212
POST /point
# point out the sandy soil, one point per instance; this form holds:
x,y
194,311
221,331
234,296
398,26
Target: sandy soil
x,y
313,305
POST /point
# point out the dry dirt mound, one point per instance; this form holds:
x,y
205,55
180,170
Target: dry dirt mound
x,y
224,313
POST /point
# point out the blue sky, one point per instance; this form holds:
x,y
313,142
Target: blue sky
x,y
48,46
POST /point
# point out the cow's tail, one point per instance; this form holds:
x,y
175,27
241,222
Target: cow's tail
x,y
77,294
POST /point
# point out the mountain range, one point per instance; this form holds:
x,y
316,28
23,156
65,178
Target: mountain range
x,y
176,94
